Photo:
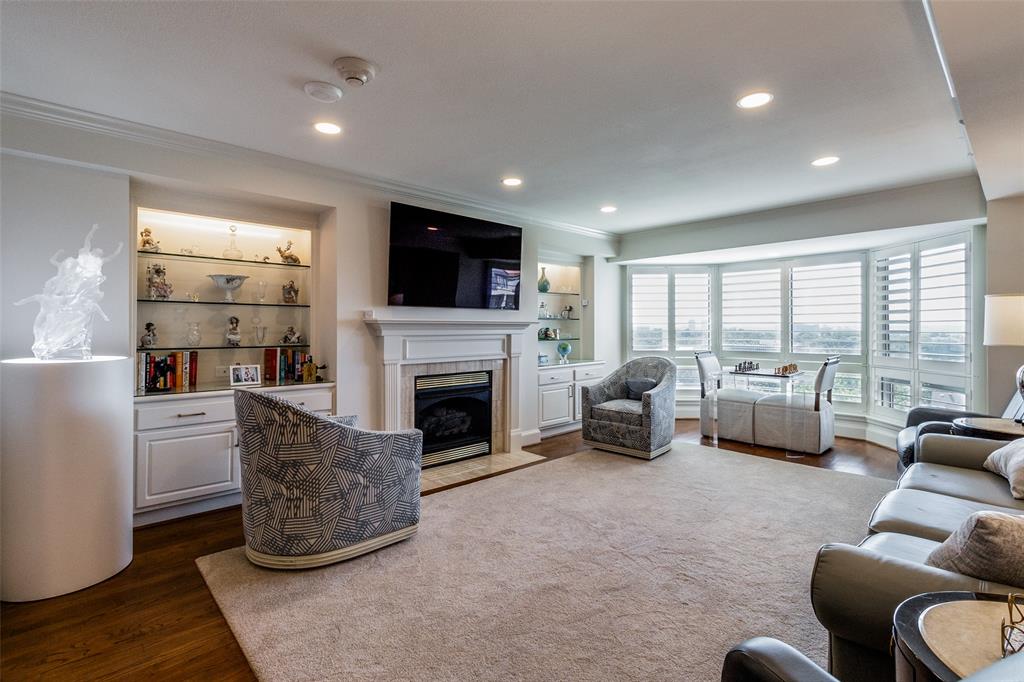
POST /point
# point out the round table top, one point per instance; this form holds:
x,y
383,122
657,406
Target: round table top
x,y
906,625
992,425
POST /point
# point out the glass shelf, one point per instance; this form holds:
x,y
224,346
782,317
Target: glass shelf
x,y
558,319
206,387
262,305
558,293
241,261
564,338
166,349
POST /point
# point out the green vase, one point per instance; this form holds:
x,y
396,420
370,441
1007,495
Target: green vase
x,y
543,284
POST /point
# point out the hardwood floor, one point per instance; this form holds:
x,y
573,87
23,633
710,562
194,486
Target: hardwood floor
x,y
157,621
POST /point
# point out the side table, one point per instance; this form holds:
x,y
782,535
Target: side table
x,y
992,428
915,661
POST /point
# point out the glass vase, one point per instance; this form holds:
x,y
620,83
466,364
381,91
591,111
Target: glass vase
x,y
543,284
193,338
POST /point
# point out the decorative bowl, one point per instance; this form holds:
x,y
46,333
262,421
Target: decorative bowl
x,y
228,283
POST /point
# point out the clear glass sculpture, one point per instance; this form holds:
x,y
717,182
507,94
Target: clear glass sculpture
x,y
232,251
69,302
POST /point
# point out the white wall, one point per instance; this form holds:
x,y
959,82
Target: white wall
x,y
352,237
1004,248
45,207
929,204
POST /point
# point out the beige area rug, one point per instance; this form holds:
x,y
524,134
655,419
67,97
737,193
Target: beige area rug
x,y
590,567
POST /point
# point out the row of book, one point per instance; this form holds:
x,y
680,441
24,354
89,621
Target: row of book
x,y
160,372
283,365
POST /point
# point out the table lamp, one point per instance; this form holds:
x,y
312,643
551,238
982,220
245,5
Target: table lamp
x,y
1004,326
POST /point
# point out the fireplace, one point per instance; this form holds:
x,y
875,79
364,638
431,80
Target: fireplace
x,y
454,413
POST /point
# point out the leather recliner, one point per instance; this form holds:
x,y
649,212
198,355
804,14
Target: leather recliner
x,y
924,420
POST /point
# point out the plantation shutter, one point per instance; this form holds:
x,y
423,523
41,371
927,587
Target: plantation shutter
x,y
692,311
752,311
826,309
649,311
893,309
943,314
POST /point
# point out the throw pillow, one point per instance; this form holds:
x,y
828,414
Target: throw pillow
x,y
1008,462
988,546
635,388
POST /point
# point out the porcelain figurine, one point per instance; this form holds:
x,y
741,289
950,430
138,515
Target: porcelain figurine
x,y
291,336
156,281
286,254
233,337
290,292
146,241
149,339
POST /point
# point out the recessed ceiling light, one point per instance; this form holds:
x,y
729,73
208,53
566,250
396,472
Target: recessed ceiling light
x,y
755,100
327,128
511,182
825,161
431,228
609,209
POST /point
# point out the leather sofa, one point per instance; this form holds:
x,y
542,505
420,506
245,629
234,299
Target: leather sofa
x,y
763,659
855,589
924,420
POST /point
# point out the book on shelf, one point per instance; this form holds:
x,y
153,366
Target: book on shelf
x,y
283,365
164,372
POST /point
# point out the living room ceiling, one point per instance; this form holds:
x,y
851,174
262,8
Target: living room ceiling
x,y
630,103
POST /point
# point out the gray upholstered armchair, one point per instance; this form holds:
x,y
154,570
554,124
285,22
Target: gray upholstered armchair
x,y
922,421
632,411
316,490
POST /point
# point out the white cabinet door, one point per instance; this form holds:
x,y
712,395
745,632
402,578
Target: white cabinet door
x,y
555,403
577,414
183,463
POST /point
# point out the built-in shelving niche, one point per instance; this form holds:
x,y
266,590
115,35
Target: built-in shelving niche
x,y
191,247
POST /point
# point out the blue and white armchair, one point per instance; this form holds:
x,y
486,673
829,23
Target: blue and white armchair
x,y
317,490
632,411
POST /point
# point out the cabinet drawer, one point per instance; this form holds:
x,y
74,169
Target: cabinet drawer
x,y
189,462
184,412
314,400
585,373
554,376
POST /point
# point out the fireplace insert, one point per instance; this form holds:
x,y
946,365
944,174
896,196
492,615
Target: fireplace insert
x,y
454,413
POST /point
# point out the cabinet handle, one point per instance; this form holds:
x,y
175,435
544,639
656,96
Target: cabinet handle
x,y
191,414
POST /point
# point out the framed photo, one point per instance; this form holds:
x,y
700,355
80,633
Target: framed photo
x,y
244,375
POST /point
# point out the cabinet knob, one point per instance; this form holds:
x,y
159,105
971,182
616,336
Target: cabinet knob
x,y
191,414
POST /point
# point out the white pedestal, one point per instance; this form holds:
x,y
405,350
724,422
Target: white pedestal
x,y
65,452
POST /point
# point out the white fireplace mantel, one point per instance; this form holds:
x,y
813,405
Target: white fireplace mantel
x,y
422,341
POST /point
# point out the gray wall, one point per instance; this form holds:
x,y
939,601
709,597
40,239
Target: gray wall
x,y
1004,249
45,207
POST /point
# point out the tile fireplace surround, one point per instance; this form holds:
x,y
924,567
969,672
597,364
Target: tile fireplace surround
x,y
410,348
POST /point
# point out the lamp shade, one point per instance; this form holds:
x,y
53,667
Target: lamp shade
x,y
1004,320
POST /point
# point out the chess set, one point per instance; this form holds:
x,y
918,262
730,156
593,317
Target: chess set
x,y
787,370
747,366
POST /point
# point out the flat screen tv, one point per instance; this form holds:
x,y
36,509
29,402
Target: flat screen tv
x,y
442,260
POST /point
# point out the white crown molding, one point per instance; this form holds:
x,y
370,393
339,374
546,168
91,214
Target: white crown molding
x,y
57,114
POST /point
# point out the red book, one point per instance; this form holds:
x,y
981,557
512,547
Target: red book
x,y
270,365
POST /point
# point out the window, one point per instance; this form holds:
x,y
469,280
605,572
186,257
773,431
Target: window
x,y
692,311
847,389
826,309
752,311
921,313
893,393
942,285
939,395
892,308
649,310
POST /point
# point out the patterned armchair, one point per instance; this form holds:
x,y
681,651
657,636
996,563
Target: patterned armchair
x,y
317,490
641,428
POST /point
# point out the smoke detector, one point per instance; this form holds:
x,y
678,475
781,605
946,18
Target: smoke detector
x,y
354,71
322,92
